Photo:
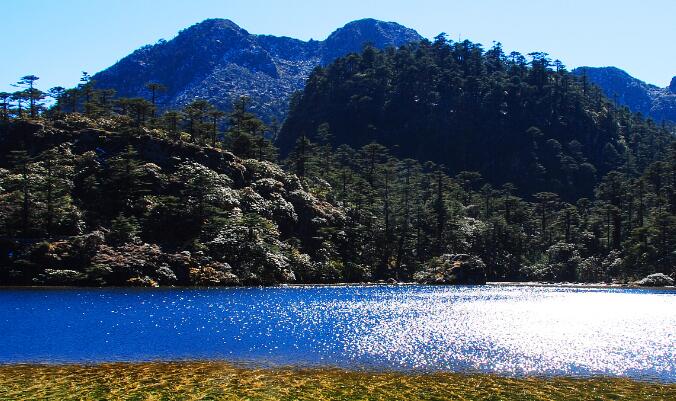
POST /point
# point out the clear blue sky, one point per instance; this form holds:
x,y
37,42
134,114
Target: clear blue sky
x,y
57,39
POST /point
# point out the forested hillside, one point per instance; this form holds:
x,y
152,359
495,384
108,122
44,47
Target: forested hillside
x,y
514,119
542,179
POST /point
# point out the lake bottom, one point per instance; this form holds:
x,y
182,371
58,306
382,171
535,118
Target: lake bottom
x,y
224,381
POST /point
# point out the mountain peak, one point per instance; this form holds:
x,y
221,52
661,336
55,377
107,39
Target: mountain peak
x,y
216,24
371,22
351,37
219,61
370,28
672,86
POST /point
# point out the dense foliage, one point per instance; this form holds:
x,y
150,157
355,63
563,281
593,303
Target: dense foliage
x,y
528,122
102,190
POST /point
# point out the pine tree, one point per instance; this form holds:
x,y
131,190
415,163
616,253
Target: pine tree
x,y
124,230
171,120
197,112
5,96
22,164
546,202
33,94
125,181
155,88
86,88
215,116
58,94
19,97
106,100
246,131
72,98
56,171
140,109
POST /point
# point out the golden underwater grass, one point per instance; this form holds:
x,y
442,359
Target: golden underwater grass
x,y
222,381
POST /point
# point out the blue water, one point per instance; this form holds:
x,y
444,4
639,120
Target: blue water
x,y
497,329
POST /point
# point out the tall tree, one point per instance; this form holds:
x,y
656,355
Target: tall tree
x,y
32,93
140,110
171,119
197,112
58,94
215,115
547,201
244,129
155,88
5,96
22,163
19,97
56,167
86,88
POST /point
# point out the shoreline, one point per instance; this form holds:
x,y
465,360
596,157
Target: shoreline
x,y
364,284
577,285
224,381
259,366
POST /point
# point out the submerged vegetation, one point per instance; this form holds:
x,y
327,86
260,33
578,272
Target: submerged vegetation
x,y
219,381
536,176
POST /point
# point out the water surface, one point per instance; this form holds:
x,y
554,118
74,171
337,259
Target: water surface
x,y
493,329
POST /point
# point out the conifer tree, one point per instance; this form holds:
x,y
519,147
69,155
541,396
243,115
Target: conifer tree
x,y
33,94
19,97
246,132
154,89
5,96
56,171
126,180
22,164
86,88
58,94
196,112
215,115
171,120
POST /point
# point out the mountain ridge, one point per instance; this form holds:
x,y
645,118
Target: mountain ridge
x,y
647,99
218,60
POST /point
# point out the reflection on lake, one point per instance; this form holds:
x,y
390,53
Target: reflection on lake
x,y
506,330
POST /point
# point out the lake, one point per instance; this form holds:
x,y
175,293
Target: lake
x,y
508,330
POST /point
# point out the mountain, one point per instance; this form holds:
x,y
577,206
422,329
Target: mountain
x,y
219,61
474,110
352,37
649,100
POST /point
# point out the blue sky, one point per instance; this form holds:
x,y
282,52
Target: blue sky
x,y
57,39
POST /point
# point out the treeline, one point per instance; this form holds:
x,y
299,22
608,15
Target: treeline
x,y
100,190
198,122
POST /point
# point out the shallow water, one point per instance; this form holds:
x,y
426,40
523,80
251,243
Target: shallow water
x,y
494,329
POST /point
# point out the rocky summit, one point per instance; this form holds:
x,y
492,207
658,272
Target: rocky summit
x,y
219,61
650,100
